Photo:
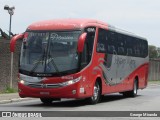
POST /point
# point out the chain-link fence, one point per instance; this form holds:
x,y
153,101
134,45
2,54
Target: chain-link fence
x,y
154,70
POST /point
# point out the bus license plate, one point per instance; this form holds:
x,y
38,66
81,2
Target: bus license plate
x,y
44,93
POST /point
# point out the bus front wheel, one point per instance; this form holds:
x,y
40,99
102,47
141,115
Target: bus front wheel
x,y
96,94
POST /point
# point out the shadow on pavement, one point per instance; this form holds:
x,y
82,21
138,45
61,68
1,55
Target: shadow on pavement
x,y
80,102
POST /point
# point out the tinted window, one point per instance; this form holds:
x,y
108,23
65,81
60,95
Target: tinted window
x,y
102,40
112,43
106,42
117,43
129,46
88,46
144,48
90,40
121,44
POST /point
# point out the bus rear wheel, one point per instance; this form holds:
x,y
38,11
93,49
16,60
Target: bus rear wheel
x,y
96,94
132,93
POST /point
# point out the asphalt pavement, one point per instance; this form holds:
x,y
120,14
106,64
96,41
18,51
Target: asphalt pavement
x,y
11,97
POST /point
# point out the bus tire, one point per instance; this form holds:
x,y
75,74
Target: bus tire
x,y
135,89
132,93
46,100
96,94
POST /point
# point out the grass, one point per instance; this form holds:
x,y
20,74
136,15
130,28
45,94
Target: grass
x,y
10,90
154,81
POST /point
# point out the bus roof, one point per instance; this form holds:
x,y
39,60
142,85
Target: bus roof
x,y
70,24
63,24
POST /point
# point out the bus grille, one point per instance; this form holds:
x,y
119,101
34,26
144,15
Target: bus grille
x,y
44,85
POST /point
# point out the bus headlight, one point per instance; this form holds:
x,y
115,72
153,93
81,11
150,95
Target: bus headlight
x,y
70,82
21,81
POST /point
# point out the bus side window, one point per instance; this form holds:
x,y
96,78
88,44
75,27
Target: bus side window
x,y
144,48
136,44
129,51
88,46
120,50
129,46
121,44
111,49
89,42
101,43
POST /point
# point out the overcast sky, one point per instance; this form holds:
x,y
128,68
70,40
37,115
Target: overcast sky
x,y
141,17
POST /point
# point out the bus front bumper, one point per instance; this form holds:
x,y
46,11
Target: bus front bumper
x,y
71,91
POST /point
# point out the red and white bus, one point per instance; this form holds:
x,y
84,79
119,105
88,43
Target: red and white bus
x,y
80,58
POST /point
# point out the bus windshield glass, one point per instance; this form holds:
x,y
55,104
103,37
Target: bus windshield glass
x,y
49,52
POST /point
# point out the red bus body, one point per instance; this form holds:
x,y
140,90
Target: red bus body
x,y
84,88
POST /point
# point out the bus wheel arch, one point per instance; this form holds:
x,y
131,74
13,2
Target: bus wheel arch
x,y
97,91
99,80
135,87
137,79
133,92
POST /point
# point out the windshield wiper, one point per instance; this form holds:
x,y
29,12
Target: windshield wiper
x,y
40,60
53,63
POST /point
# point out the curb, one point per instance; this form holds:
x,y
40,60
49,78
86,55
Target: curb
x,y
14,100
153,85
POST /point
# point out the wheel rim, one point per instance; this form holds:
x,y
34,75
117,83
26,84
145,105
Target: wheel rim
x,y
135,88
96,92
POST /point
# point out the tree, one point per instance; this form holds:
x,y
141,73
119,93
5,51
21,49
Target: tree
x,y
153,53
158,50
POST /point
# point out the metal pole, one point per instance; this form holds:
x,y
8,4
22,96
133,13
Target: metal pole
x,y
11,79
11,12
10,26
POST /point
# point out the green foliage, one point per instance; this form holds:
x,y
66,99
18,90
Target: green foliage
x,y
154,81
158,50
153,53
10,90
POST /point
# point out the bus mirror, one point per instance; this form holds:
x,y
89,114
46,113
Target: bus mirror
x,y
81,42
13,41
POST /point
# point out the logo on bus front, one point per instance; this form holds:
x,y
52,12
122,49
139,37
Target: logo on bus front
x,y
90,29
44,86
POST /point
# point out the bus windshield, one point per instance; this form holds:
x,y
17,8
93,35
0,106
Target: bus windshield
x,y
48,53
